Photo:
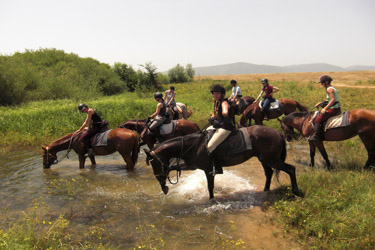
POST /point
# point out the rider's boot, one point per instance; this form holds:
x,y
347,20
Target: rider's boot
x,y
90,152
156,135
316,136
266,114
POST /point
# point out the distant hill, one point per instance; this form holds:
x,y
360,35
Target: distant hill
x,y
249,68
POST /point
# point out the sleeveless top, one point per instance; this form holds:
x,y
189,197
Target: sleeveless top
x,y
163,110
236,89
169,96
336,95
225,122
96,120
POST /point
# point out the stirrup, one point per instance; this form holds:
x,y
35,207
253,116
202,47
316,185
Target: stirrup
x,y
215,171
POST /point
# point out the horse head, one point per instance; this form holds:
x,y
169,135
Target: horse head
x,y
160,169
288,129
48,157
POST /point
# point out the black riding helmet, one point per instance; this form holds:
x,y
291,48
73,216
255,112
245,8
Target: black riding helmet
x,y
265,80
171,87
82,106
158,95
233,82
325,78
218,88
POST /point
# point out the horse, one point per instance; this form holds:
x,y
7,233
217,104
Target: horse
x,y
122,140
240,107
268,145
183,111
254,112
361,123
183,127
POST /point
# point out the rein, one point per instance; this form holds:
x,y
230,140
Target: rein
x,y
56,160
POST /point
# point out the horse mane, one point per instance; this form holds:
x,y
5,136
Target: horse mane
x,y
61,140
178,138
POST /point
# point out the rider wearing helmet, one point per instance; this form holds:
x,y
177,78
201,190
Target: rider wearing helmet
x,y
330,108
236,92
222,121
171,101
93,122
268,89
160,116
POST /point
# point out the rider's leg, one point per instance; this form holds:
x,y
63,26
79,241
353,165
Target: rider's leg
x,y
266,106
154,129
219,136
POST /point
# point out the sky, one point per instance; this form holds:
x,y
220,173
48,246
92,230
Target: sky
x,y
200,32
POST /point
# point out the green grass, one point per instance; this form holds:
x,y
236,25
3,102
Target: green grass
x,y
336,212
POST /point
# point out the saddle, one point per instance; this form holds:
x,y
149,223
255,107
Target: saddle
x,y
337,121
100,139
237,142
276,105
168,129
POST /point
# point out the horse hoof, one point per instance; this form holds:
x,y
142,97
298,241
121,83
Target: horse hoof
x,y
165,189
299,194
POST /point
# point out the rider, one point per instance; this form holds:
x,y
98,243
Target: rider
x,y
93,122
330,108
236,92
268,98
160,116
223,123
171,102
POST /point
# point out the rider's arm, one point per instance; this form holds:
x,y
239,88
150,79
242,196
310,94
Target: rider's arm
x,y
275,89
158,108
225,109
87,122
261,93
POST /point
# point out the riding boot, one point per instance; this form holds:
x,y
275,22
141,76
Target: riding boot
x,y
316,136
90,152
266,114
218,163
156,134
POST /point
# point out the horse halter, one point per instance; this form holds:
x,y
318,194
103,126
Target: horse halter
x,y
49,155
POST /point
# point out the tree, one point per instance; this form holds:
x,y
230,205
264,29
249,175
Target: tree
x,y
150,76
127,74
177,74
190,71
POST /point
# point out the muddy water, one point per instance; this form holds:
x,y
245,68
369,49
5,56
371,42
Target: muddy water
x,y
127,209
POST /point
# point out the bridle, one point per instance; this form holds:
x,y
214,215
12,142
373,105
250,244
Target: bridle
x,y
54,158
299,135
177,166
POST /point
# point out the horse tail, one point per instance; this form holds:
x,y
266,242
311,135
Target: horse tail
x,y
135,150
301,107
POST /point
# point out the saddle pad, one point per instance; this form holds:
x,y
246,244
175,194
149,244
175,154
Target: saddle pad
x,y
273,105
168,129
341,120
237,142
100,139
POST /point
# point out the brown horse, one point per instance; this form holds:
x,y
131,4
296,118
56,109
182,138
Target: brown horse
x,y
122,140
183,127
361,123
268,145
254,112
245,102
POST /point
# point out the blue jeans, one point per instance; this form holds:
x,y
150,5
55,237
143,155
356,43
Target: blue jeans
x,y
266,104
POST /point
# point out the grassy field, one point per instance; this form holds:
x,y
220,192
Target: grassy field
x,y
336,211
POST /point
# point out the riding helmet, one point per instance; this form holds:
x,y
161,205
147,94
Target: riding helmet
x,y
325,78
158,95
233,82
265,80
218,88
82,106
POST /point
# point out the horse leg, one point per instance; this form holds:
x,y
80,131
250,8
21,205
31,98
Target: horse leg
x,y
268,172
312,154
82,160
128,160
323,152
290,170
210,183
369,145
92,159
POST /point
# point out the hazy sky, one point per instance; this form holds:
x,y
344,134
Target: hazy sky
x,y
201,32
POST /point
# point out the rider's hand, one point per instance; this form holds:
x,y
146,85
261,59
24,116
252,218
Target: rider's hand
x,y
323,111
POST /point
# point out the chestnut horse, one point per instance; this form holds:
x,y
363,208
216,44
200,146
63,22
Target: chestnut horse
x,y
254,112
268,145
361,123
183,127
122,140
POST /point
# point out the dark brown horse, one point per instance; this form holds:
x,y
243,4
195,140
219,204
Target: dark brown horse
x,y
245,102
122,140
184,127
254,112
268,145
361,123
